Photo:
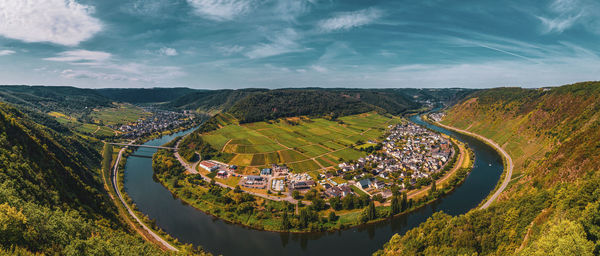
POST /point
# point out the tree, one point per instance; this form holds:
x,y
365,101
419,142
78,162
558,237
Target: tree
x,y
332,217
303,218
403,203
296,194
237,189
563,238
285,222
395,207
370,213
335,203
433,188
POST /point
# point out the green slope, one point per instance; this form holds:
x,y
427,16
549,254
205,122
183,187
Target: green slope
x,y
552,205
51,198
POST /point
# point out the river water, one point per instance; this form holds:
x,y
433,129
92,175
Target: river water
x,y
218,237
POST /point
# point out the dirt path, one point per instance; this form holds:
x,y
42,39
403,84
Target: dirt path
x,y
506,156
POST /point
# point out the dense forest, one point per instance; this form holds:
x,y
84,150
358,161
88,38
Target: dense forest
x,y
144,95
552,205
51,196
286,103
394,101
64,99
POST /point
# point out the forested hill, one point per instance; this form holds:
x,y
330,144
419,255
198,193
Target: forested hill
x,y
552,205
210,101
144,95
286,103
62,99
51,198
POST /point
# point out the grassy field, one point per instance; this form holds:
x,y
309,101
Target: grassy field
x,y
82,127
303,144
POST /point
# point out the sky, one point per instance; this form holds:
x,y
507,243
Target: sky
x,y
215,44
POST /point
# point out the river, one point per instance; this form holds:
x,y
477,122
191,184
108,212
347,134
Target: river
x,y
218,237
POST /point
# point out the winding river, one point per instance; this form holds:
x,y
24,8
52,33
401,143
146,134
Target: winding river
x,y
218,237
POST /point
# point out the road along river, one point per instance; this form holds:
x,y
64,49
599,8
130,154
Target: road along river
x,y
218,237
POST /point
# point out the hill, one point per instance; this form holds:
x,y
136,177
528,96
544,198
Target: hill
x,y
288,103
51,198
551,207
64,99
211,101
144,95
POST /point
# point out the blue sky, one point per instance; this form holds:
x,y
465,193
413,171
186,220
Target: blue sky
x,y
299,43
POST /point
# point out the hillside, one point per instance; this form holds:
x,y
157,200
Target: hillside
x,y
64,99
552,206
288,103
51,198
144,95
211,101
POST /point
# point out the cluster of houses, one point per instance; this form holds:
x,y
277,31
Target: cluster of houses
x,y
408,153
160,120
437,117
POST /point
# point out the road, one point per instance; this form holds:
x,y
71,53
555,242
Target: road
x,y
114,184
507,157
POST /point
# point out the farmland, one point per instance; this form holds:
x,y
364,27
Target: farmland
x,y
303,144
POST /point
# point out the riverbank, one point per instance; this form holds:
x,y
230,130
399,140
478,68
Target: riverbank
x,y
141,223
507,162
262,213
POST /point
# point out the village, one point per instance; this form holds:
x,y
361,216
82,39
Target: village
x,y
407,158
160,120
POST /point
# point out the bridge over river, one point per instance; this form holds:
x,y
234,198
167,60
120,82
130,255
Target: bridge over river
x,y
141,146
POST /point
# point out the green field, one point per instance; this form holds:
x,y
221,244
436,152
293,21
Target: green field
x,y
303,144
120,114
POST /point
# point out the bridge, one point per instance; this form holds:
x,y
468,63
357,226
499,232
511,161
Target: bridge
x,y
141,146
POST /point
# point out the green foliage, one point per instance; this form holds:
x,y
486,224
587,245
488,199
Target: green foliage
x,y
563,238
552,206
287,103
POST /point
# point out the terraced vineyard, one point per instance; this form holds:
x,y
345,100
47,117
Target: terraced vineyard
x,y
301,143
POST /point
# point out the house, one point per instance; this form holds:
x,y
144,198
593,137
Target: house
x,y
209,166
378,184
222,174
266,171
299,185
364,183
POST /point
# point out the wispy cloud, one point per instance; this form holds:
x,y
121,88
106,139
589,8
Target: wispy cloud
x,y
63,22
6,52
221,10
564,14
81,56
348,20
281,43
558,24
166,51
229,50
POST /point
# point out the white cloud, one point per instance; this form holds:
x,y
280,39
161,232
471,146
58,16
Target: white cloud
x,y
282,43
6,52
81,56
229,50
348,20
559,24
319,69
86,74
564,14
64,22
220,10
166,51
